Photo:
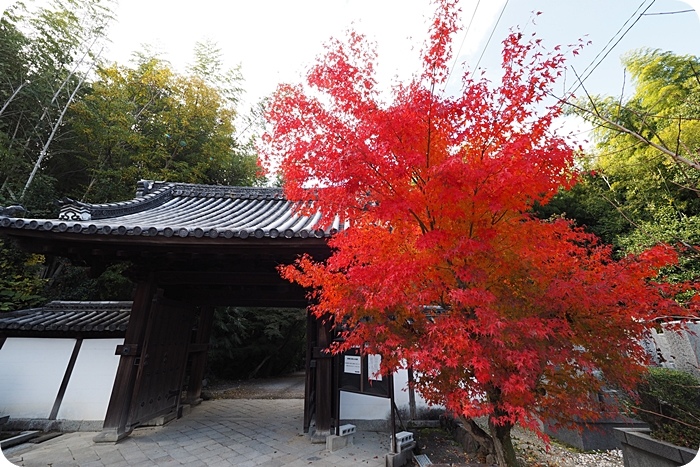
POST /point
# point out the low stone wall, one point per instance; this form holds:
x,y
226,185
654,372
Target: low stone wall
x,y
641,450
66,426
596,436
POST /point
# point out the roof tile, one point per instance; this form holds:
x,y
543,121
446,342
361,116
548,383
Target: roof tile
x,y
69,317
187,210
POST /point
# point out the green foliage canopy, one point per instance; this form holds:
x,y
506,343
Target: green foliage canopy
x,y
21,284
45,55
148,122
640,185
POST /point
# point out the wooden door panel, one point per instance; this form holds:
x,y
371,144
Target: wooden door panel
x,y
163,360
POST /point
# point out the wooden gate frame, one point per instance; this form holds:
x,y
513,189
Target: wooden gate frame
x,y
122,414
124,411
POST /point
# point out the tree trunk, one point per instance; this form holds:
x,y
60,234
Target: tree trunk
x,y
411,394
482,438
503,444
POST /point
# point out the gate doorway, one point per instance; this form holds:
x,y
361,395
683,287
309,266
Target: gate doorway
x,y
191,247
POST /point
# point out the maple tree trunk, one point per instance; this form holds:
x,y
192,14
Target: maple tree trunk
x,y
478,434
502,444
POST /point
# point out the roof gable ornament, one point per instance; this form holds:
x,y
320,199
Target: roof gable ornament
x,y
72,210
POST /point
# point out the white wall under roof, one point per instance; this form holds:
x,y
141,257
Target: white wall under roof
x,y
355,406
31,371
90,386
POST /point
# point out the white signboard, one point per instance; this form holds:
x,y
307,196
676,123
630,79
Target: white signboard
x,y
374,363
353,364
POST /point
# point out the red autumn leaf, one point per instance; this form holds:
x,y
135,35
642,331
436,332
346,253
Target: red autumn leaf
x,y
444,267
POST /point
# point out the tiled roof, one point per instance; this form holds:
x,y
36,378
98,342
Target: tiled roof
x,y
186,210
63,317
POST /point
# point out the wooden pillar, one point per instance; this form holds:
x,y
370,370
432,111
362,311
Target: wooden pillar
x,y
310,374
115,425
198,350
324,380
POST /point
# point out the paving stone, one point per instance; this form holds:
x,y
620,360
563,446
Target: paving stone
x,y
97,463
216,433
119,464
248,463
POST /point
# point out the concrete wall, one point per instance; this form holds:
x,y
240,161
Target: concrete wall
x,y
32,369
679,350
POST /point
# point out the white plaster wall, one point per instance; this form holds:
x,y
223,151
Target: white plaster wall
x,y
363,407
90,386
31,371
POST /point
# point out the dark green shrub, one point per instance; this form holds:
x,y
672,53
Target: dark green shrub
x,y
21,285
670,404
68,282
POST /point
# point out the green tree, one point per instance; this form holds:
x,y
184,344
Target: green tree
x,y
46,56
642,187
256,342
148,122
21,285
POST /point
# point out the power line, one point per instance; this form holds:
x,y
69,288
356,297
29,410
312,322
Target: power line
x,y
491,35
588,70
668,12
466,32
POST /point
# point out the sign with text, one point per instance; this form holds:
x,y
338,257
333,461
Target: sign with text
x,y
362,374
374,365
353,364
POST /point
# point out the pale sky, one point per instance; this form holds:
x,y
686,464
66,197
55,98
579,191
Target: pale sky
x,y
277,40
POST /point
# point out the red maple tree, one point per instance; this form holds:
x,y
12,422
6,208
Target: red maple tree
x,y
444,267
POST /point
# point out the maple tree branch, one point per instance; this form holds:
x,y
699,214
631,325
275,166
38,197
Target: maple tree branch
x,y
666,416
391,188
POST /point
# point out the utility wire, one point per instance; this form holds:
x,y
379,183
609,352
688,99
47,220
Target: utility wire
x,y
466,32
491,35
668,12
588,70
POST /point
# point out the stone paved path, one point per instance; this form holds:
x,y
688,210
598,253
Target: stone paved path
x,y
226,432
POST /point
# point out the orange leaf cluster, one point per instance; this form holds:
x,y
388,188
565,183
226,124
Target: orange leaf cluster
x,y
443,266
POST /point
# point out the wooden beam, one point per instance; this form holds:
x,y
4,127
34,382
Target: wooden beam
x,y
199,359
66,378
115,423
192,277
324,382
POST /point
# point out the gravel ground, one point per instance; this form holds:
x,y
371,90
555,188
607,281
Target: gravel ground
x,y
282,387
533,453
